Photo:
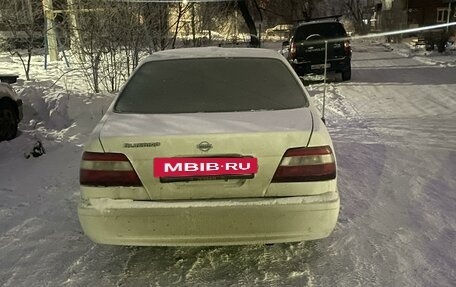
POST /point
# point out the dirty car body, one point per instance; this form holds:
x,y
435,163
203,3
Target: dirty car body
x,y
208,104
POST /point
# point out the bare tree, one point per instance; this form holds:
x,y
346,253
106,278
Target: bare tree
x,y
22,26
114,35
288,11
242,5
202,19
355,9
181,10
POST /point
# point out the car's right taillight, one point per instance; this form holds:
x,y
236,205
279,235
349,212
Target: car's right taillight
x,y
293,50
107,169
347,47
306,164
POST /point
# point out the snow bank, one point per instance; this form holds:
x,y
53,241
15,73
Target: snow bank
x,y
57,107
44,108
57,114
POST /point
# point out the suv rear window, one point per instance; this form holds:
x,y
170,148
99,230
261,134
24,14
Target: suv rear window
x,y
326,30
211,85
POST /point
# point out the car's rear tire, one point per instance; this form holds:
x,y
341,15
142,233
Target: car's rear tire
x,y
8,121
346,75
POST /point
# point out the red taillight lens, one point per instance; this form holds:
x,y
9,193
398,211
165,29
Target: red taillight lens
x,y
293,50
107,169
306,164
347,46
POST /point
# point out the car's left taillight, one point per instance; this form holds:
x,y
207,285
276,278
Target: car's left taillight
x,y
293,50
107,169
306,164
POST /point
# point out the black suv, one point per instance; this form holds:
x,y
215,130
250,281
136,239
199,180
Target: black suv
x,y
306,48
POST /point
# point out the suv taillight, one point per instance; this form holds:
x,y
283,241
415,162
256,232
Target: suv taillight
x,y
293,50
347,47
306,164
107,169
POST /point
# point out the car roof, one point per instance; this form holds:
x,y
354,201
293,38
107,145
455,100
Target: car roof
x,y
213,52
323,21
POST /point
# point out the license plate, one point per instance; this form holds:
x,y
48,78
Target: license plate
x,y
319,66
204,166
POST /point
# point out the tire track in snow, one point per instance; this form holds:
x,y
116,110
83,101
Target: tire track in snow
x,y
72,269
392,207
389,218
125,272
14,254
342,115
278,265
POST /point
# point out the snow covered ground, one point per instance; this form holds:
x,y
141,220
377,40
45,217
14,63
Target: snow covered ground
x,y
394,129
408,48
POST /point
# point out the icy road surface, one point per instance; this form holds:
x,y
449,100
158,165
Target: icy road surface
x,y
394,128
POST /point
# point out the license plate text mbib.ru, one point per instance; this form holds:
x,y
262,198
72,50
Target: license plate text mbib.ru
x,y
176,167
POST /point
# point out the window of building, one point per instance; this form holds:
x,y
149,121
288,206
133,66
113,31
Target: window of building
x,y
442,15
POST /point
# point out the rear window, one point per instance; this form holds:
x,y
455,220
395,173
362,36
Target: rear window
x,y
325,30
211,85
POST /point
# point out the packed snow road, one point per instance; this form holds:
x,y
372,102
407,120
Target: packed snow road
x,y
394,129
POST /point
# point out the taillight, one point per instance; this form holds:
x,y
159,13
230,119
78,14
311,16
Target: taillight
x,y
293,50
347,47
306,164
107,169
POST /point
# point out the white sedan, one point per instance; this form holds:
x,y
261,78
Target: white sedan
x,y
209,146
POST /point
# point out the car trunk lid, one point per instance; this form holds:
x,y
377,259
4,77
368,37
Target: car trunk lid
x,y
264,135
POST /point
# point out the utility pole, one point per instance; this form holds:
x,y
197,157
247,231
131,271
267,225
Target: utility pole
x,y
50,33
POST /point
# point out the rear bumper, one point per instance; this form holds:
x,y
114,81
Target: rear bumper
x,y
338,65
209,222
